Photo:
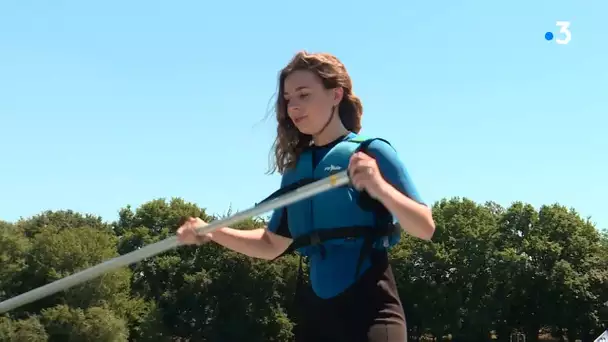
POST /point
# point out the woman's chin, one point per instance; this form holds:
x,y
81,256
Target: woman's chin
x,y
305,130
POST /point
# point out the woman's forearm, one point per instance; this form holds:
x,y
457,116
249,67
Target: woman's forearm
x,y
415,218
256,243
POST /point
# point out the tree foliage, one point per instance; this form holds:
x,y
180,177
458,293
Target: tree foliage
x,y
489,271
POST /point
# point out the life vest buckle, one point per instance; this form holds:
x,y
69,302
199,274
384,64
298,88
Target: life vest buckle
x,y
315,240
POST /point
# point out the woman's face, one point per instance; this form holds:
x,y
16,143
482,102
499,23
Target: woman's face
x,y
309,104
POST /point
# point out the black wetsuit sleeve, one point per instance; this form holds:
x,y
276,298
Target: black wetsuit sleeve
x,y
278,223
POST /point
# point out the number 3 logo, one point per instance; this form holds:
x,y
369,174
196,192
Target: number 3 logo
x,y
564,28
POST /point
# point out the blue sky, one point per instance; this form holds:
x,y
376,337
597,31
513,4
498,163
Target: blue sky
x,y
104,104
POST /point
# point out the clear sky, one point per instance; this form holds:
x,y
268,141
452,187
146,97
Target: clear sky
x,y
109,103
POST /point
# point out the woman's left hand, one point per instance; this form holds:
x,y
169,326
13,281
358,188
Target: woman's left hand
x,y
365,174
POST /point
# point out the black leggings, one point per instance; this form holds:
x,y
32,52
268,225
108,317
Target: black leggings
x,y
368,311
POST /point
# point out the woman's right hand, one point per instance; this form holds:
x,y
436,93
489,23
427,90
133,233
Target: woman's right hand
x,y
187,234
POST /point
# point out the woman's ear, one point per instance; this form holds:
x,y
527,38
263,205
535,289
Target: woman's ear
x,y
338,95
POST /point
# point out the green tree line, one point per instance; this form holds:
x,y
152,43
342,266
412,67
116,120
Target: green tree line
x,y
489,271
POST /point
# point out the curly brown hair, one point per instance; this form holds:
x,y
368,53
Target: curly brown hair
x,y
290,142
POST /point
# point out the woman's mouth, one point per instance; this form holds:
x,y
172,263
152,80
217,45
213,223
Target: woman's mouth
x,y
299,119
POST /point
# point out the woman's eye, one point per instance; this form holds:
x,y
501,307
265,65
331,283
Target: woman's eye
x,y
303,96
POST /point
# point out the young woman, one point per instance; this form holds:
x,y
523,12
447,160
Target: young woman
x,y
345,232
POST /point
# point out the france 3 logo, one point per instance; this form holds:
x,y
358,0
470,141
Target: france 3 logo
x,y
564,30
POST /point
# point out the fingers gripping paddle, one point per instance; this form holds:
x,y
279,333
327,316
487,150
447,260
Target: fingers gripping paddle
x,y
306,191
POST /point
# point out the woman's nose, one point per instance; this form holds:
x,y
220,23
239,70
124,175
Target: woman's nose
x,y
293,108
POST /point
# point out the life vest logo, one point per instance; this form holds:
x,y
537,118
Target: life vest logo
x,y
332,168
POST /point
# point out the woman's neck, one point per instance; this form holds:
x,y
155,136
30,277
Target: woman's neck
x,y
333,131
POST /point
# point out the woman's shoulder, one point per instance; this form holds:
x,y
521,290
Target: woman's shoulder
x,y
382,150
374,144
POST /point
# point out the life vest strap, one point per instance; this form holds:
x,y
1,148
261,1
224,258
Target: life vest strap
x,y
368,233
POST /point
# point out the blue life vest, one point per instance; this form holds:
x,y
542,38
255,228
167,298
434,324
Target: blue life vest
x,y
339,222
